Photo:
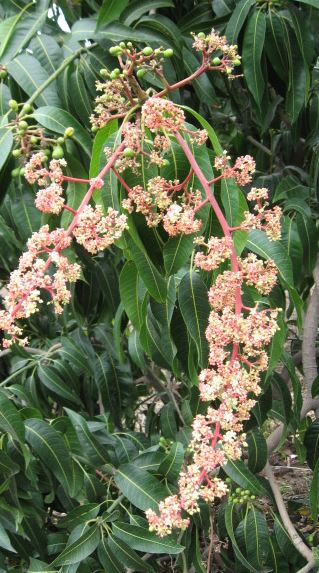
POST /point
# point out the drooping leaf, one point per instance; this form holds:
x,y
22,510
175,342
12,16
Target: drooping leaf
x,y
253,43
142,539
192,296
141,489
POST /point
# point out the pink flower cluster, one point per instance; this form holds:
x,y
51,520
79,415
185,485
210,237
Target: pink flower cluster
x,y
241,171
49,199
162,114
96,232
237,337
112,102
213,44
31,276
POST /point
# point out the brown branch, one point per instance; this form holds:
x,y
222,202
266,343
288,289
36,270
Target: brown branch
x,y
301,547
275,436
309,359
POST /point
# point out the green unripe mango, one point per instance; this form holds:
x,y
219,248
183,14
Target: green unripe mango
x,y
27,108
168,53
13,104
69,132
58,152
16,152
141,73
216,62
128,152
148,51
23,125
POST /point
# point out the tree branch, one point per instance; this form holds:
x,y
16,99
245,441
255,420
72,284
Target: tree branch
x,y
309,359
301,547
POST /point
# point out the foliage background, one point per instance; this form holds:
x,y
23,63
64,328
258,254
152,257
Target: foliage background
x,y
82,411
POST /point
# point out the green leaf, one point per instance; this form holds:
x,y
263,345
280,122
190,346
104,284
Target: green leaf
x,y
21,28
297,89
108,559
30,75
110,10
311,442
103,138
153,280
5,542
275,558
6,142
78,515
142,539
80,549
237,20
211,132
229,523
314,492
257,451
137,8
259,243
49,445
234,202
202,85
127,555
47,51
239,472
308,234
53,381
57,120
132,293
253,44
7,466
194,306
256,537
171,465
141,489
94,451
176,252
10,420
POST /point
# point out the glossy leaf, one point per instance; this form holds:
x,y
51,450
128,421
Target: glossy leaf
x,y
253,43
192,296
142,539
141,489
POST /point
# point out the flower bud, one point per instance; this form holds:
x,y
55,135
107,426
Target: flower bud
x,y
21,171
13,104
122,45
94,128
216,62
236,62
168,53
148,51
60,140
16,152
15,172
58,152
104,73
69,132
34,139
201,35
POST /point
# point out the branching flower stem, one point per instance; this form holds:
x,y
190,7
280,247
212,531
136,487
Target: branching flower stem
x,y
218,212
86,199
